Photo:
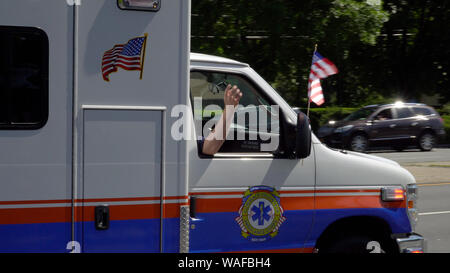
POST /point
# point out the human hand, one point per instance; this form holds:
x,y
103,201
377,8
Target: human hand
x,y
232,95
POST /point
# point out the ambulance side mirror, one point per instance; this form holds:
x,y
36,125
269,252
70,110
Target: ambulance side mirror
x,y
303,136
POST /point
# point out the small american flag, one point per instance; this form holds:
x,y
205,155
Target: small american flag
x,y
321,68
127,56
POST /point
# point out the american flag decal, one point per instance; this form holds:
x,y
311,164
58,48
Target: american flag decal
x,y
129,56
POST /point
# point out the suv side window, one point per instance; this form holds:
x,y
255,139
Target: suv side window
x,y
385,114
256,122
23,78
404,112
422,111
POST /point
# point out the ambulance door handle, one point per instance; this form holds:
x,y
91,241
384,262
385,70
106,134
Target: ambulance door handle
x,y
102,217
192,206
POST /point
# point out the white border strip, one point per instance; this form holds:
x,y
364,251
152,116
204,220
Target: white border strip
x,y
123,107
348,194
350,188
97,203
223,193
213,196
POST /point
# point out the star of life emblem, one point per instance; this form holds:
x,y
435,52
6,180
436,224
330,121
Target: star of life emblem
x,y
260,215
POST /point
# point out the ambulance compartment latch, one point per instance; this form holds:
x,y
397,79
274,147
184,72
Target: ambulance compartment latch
x,y
102,217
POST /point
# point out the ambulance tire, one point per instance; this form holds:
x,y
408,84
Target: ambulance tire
x,y
354,244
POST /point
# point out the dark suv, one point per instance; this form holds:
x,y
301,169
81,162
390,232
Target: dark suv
x,y
396,125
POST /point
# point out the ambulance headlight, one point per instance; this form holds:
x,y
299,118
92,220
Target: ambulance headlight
x,y
145,5
392,194
411,200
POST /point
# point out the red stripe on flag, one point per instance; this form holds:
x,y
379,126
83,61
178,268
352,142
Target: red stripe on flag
x,y
322,69
315,85
332,66
319,71
124,57
123,62
314,74
128,68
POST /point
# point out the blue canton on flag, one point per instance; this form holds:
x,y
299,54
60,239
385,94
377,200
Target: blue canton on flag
x,y
133,47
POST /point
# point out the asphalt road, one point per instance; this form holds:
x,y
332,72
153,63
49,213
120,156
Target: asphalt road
x,y
415,155
434,216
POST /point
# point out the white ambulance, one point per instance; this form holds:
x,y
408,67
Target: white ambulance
x,y
102,112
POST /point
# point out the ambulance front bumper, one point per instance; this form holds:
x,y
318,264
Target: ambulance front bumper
x,y
414,243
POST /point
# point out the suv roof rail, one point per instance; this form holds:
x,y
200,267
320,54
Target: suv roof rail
x,y
373,105
407,103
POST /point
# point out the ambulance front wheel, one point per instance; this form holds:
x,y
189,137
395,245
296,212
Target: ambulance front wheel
x,y
354,244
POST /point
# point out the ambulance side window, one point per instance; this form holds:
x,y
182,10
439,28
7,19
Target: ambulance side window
x,y
23,78
255,128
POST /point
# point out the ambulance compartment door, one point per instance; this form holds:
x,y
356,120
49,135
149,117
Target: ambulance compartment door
x,y
132,70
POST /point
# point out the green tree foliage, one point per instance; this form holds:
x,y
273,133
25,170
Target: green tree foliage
x,y
382,49
414,54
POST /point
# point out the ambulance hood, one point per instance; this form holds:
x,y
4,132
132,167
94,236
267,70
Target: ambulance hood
x,y
335,168
377,158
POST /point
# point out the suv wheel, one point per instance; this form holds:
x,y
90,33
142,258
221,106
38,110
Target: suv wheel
x,y
426,141
359,143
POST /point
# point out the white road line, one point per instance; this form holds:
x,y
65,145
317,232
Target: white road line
x,y
434,213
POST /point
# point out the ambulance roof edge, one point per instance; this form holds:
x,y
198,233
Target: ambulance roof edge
x,y
197,57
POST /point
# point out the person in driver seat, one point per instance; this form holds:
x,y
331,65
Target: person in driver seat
x,y
212,143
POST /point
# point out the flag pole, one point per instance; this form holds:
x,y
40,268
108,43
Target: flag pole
x,y
143,55
309,99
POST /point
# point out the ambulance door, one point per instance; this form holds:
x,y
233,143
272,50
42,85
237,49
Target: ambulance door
x,y
35,125
132,69
122,179
247,197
